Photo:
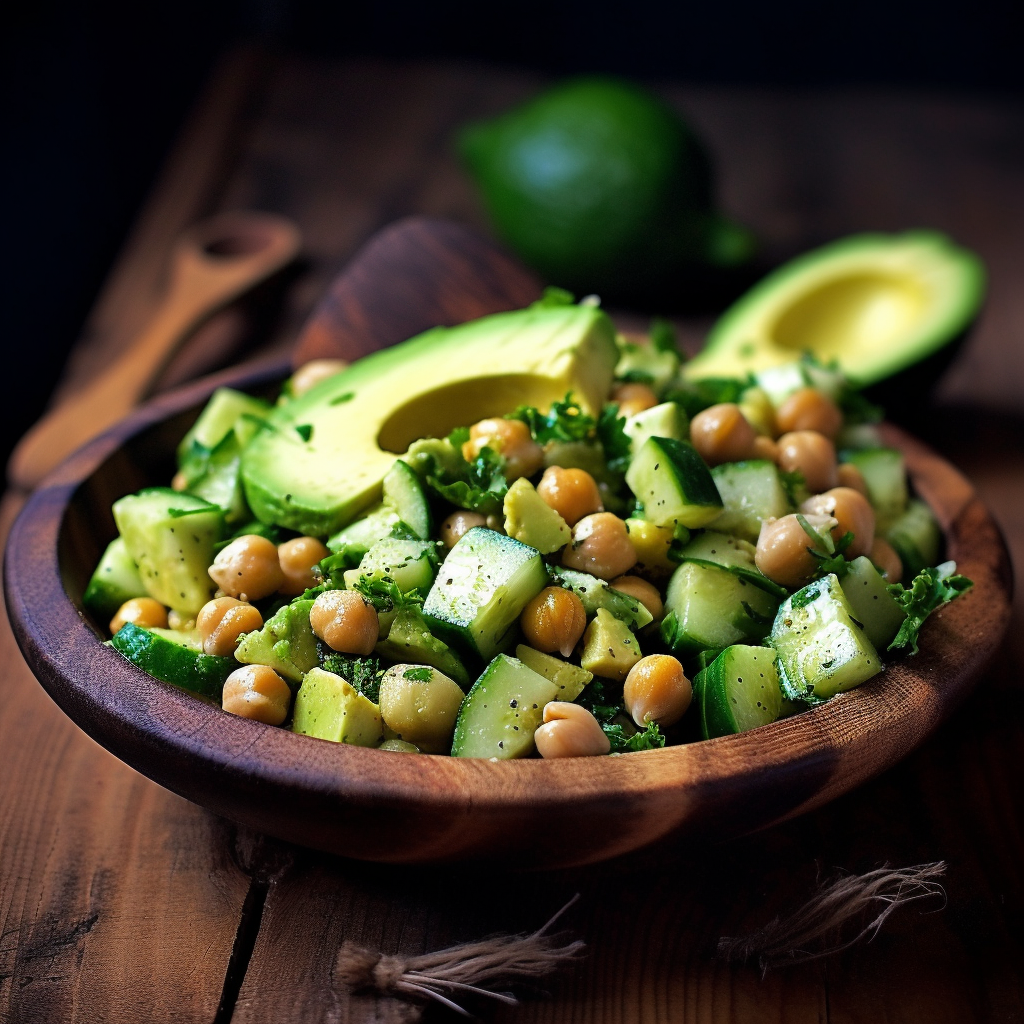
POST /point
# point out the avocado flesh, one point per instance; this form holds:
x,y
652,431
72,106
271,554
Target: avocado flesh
x,y
875,303
357,422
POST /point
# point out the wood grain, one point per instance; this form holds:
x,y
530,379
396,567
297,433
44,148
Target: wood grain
x,y
317,145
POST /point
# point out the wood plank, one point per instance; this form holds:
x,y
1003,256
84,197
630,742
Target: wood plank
x,y
115,894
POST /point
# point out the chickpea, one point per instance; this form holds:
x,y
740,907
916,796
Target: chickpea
x,y
256,692
644,592
570,730
657,690
600,545
572,493
297,558
633,398
222,621
554,621
765,448
345,622
511,439
852,511
496,522
420,710
458,524
179,482
784,548
809,409
248,568
722,434
140,611
811,454
886,560
850,476
313,372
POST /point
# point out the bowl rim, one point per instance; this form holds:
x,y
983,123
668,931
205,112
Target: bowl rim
x,y
843,741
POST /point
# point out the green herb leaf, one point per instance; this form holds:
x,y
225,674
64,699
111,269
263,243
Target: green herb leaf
x,y
663,337
304,430
478,485
384,593
554,297
613,438
930,589
564,421
602,699
419,674
361,673
650,738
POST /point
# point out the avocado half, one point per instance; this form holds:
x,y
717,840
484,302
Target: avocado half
x,y
321,459
874,303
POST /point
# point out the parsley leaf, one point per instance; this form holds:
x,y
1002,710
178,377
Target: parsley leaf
x,y
650,738
930,589
478,485
613,438
418,674
663,338
601,700
384,593
565,421
697,395
361,673
554,297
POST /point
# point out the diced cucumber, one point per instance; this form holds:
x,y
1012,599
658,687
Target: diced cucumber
x,y
872,604
409,639
886,478
329,708
596,593
740,691
412,564
781,381
365,532
115,581
707,606
751,492
481,589
171,537
502,711
216,478
404,493
405,503
175,658
674,485
221,415
916,537
666,420
570,680
286,642
822,651
732,553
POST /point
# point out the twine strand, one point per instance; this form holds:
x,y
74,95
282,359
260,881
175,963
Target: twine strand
x,y
470,967
814,931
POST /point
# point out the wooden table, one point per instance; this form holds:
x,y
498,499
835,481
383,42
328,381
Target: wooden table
x,y
121,902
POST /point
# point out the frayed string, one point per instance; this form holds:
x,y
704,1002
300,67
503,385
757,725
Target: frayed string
x,y
471,968
816,930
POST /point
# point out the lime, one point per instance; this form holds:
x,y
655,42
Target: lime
x,y
602,187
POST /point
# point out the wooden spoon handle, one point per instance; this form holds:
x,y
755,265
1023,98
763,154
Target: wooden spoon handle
x,y
212,264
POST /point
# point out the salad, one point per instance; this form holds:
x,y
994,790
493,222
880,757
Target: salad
x,y
648,559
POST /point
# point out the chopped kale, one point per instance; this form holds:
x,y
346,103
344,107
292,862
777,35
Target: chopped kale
x,y
930,589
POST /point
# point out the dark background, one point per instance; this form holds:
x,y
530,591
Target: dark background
x,y
95,93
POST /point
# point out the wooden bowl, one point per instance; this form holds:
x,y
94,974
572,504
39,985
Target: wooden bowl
x,y
413,808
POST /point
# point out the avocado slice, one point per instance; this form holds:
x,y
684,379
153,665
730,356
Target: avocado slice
x,y
322,458
875,303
